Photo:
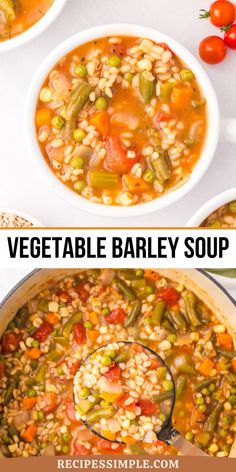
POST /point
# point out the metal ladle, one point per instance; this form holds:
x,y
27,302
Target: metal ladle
x,y
167,433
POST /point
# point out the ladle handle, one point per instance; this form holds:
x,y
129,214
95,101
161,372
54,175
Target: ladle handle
x,y
185,447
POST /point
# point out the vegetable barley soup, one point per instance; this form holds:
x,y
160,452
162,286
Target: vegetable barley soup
x,y
16,16
121,121
50,337
126,377
224,217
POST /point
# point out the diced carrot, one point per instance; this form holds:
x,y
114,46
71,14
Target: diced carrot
x,y
93,317
206,367
43,117
151,275
181,97
135,185
52,318
225,340
29,403
101,122
33,353
234,365
29,433
92,335
128,440
109,435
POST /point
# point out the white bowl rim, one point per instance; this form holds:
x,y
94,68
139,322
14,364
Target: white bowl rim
x,y
23,215
122,30
41,25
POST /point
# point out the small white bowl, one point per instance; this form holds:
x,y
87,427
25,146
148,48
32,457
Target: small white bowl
x,y
35,29
203,213
212,120
23,215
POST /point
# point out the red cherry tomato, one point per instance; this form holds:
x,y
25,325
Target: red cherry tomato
x,y
82,292
212,50
147,407
42,332
102,444
113,374
116,159
230,37
222,13
79,332
116,316
10,342
170,295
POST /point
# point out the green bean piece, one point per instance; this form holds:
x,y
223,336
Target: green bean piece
x,y
41,374
43,305
168,326
158,312
9,392
146,86
99,414
202,439
204,383
231,378
77,99
181,383
84,406
231,273
213,419
136,449
190,308
101,179
127,274
227,354
67,328
134,313
127,291
166,90
12,431
232,207
177,320
54,355
161,166
4,450
60,340
161,373
21,317
7,6
139,283
162,396
122,357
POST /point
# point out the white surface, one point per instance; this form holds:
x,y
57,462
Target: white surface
x,y
10,277
22,187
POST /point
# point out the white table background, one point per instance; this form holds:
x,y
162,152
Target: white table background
x,y
20,185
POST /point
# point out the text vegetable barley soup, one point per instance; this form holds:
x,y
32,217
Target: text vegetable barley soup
x,y
52,335
17,16
223,217
121,121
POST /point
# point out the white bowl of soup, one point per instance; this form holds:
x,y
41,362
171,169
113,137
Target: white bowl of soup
x,y
23,20
122,120
218,213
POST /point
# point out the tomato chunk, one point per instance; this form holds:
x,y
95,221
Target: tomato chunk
x,y
49,402
119,49
80,449
108,446
116,316
74,367
116,159
70,412
120,401
43,332
64,296
82,292
10,342
170,295
147,407
79,332
113,374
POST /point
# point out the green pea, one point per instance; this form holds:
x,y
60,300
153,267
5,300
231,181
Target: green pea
x,y
212,387
65,449
88,324
114,61
189,436
232,399
77,162
232,206
139,273
41,415
129,76
85,392
17,354
149,176
205,391
44,445
112,354
35,343
172,338
105,311
101,103
149,289
148,321
34,364
186,75
162,417
106,360
79,134
60,371
66,437
79,186
200,347
202,408
168,385
31,393
200,401
81,70
227,420
223,433
57,122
